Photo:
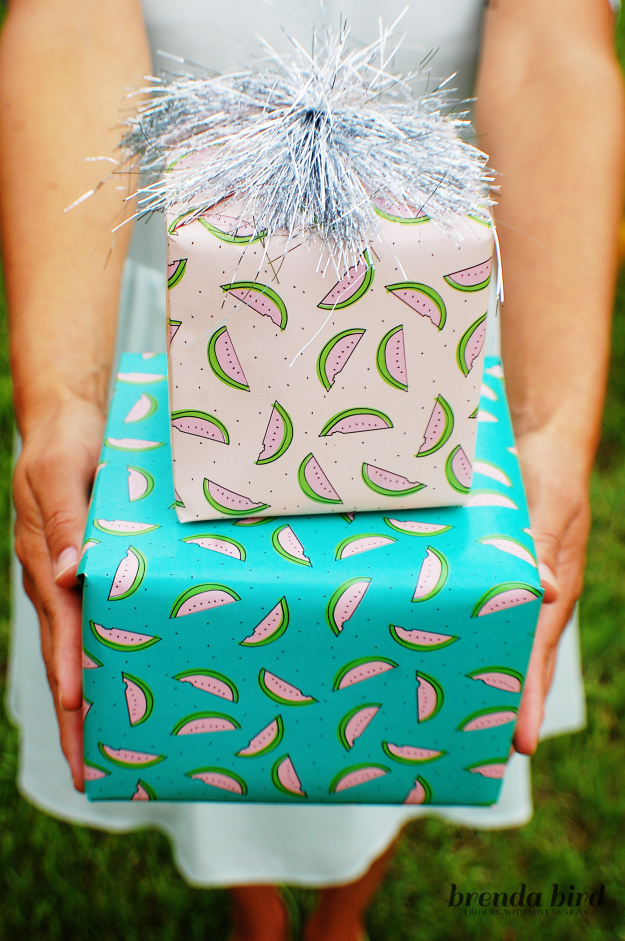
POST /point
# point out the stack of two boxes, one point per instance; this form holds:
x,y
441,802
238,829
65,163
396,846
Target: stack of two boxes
x,y
333,597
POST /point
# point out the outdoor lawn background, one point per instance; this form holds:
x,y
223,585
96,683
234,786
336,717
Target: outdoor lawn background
x,y
64,883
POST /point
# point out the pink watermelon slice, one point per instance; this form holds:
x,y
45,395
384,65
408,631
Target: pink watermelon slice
x,y
439,428
354,545
286,544
228,502
432,576
140,378
139,699
510,546
143,792
231,229
505,596
475,278
481,498
93,772
260,298
398,211
458,470
430,697
415,528
202,598
129,575
175,272
201,722
391,359
344,601
210,682
285,777
173,327
254,520
495,768
353,285
421,640
421,793
423,299
132,444
411,754
122,640
365,668
348,517
503,678
488,469
224,362
355,775
89,662
266,740
278,436
314,482
140,483
282,692
272,626
88,544
144,407
86,706
354,723
387,483
217,777
490,718
334,355
200,424
124,527
356,420
129,759
224,545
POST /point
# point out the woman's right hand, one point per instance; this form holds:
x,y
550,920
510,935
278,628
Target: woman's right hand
x,y
51,489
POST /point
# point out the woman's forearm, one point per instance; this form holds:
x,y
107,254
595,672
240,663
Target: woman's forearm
x,y
65,69
550,115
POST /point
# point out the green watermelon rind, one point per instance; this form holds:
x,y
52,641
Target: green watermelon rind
x,y
91,764
226,773
174,225
143,566
307,489
148,790
349,539
195,413
383,491
443,529
348,413
325,352
130,764
381,360
92,657
506,538
148,414
191,540
347,718
270,747
281,551
279,631
462,345
281,702
123,647
467,289
422,648
203,715
452,480
483,222
148,476
215,365
226,510
367,281
440,695
334,597
489,710
496,467
357,663
232,239
149,697
197,590
426,787
442,577
499,589
418,220
287,439
259,288
336,780
486,761
507,670
114,532
449,427
215,675
178,274
411,761
244,521
422,289
277,783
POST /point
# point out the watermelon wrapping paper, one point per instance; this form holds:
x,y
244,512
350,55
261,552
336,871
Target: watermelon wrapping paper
x,y
318,659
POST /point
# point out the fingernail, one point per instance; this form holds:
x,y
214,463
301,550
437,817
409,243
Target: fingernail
x,y
547,577
68,559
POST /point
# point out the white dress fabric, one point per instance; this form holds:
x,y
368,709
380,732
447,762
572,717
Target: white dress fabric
x,y
219,844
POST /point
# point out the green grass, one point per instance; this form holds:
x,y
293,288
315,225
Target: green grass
x,y
65,883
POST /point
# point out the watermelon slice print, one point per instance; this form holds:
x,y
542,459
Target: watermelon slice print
x,y
89,662
422,299
354,723
175,272
411,754
224,545
344,602
458,470
88,544
439,428
432,576
475,278
86,706
286,544
144,792
430,697
488,469
278,436
314,482
93,772
132,444
365,668
387,483
481,498
217,777
129,575
510,546
335,354
122,640
231,229
272,626
144,407
421,640
364,542
505,596
124,527
355,775
224,362
282,692
356,420
266,740
254,521
140,378
140,483
491,768
139,699
200,424
260,298
391,359
421,793
353,285
415,528
202,598
172,328
503,678
398,212
490,718
200,723
210,682
285,777
125,758
228,502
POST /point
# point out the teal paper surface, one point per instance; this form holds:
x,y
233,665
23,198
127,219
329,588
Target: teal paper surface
x,y
365,666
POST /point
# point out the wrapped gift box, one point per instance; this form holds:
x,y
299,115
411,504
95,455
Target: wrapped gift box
x,y
296,390
369,657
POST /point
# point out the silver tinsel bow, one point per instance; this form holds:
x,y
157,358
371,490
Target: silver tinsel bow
x,y
303,144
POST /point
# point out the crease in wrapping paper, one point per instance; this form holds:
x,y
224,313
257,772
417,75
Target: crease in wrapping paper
x,y
356,384
124,681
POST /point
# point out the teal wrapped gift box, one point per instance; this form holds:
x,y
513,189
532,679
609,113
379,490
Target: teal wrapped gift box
x,y
357,658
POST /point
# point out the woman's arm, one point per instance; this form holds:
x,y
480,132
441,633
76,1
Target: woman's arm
x,y
550,115
65,69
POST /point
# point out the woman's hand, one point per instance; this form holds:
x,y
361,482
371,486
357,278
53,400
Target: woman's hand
x,y
51,489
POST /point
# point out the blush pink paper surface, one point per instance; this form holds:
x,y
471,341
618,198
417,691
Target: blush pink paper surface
x,y
297,392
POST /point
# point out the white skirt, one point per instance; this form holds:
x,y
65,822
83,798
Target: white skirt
x,y
224,844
